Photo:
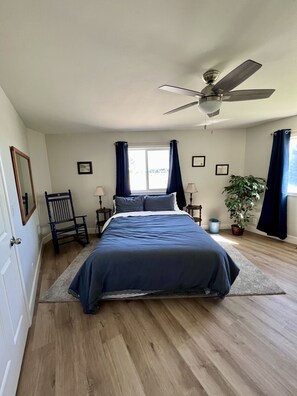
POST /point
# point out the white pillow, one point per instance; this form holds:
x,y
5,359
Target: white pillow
x,y
175,203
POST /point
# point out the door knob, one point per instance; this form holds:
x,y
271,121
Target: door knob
x,y
15,241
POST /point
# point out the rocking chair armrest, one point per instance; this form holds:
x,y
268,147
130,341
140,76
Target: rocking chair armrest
x,y
83,218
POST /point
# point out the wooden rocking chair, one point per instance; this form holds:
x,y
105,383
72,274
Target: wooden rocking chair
x,y
65,226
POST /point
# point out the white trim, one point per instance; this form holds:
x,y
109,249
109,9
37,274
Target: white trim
x,y
46,239
146,148
32,298
148,192
294,192
289,239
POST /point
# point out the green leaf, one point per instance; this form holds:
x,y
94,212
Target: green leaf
x,y
242,193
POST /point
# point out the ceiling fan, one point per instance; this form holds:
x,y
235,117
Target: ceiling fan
x,y
212,96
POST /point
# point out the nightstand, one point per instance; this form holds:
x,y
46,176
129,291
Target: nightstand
x,y
193,208
102,216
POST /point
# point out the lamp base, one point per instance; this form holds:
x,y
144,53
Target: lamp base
x,y
191,196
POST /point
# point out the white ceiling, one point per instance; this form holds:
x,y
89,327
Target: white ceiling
x,y
87,66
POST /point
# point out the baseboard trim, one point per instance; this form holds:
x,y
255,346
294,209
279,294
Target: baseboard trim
x,y
46,238
223,226
32,299
34,285
290,238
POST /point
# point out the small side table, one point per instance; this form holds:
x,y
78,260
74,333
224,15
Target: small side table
x,y
102,216
191,209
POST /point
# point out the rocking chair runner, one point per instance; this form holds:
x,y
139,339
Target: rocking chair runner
x,y
65,226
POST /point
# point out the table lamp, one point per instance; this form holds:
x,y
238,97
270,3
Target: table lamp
x,y
99,192
191,188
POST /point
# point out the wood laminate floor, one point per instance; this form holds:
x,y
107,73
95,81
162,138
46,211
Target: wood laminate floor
x,y
237,346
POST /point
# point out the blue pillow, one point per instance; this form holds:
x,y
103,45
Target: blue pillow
x,y
162,202
129,204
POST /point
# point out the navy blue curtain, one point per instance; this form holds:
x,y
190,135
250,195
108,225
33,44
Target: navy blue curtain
x,y
175,183
122,163
273,219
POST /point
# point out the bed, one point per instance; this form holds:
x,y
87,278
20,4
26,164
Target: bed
x,y
152,253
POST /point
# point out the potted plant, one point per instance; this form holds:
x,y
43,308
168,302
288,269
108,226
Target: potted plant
x,y
241,195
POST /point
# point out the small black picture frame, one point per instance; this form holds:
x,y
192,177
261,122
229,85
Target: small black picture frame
x,y
85,168
222,169
198,161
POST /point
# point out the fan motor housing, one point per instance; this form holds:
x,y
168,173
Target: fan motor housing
x,y
210,76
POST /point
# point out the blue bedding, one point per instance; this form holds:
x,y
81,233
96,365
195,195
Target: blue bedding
x,y
161,253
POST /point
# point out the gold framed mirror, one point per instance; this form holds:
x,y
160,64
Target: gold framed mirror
x,y
24,183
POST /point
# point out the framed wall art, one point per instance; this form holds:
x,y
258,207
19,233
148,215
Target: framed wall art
x,y
198,161
85,168
222,169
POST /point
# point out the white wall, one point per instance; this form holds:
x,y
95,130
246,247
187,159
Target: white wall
x,y
223,146
257,158
14,133
41,176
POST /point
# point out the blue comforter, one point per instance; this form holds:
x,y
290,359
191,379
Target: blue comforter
x,y
167,253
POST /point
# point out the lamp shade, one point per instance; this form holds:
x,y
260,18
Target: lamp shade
x,y
99,191
191,188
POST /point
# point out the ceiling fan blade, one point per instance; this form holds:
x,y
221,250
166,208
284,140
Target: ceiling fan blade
x,y
247,94
237,76
181,108
180,91
214,113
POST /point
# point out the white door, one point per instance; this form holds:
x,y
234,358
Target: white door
x,y
14,321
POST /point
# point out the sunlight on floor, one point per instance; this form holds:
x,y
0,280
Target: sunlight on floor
x,y
219,238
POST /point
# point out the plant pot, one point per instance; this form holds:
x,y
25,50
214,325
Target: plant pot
x,y
236,230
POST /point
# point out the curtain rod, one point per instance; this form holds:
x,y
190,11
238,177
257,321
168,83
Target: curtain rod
x,y
294,131
148,143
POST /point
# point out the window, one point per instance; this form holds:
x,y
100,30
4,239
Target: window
x,y
148,169
292,187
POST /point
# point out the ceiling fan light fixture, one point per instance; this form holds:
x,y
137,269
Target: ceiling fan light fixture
x,y
210,104
210,98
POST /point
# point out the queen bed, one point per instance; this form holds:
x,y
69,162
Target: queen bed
x,y
154,250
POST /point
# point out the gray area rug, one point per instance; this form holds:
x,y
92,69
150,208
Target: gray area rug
x,y
250,281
